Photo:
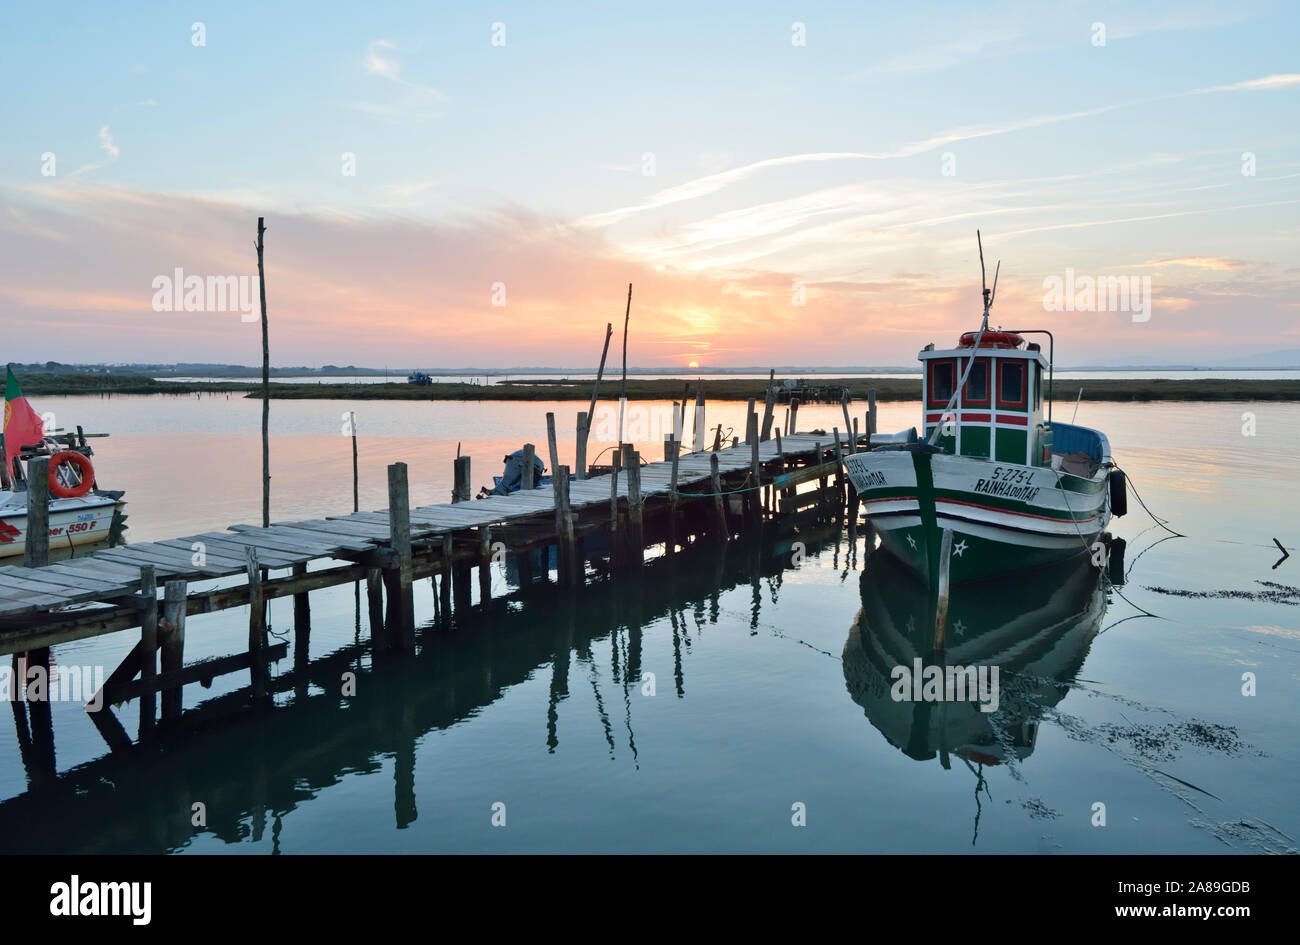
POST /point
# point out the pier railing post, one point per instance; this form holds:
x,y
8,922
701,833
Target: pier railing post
x,y
173,644
401,601
36,554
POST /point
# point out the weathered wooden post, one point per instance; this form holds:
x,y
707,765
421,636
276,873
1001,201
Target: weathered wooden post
x,y
375,609
699,427
530,452
580,454
565,567
460,490
794,415
839,474
719,511
484,566
173,645
301,609
674,497
871,414
551,444
941,594
356,480
397,577
635,511
821,481
266,382
36,554
755,469
749,412
769,405
148,604
848,424
444,580
257,670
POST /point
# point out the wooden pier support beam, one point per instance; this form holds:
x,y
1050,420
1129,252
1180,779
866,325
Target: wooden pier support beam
x,y
794,416
485,565
301,607
401,600
769,405
635,512
755,470
148,604
257,669
36,554
719,510
444,579
173,644
674,497
566,565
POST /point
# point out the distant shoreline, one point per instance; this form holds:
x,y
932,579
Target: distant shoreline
x,y
727,389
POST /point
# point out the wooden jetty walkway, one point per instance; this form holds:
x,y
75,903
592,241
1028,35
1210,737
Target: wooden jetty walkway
x,y
715,493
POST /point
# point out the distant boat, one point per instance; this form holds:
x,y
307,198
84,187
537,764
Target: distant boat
x,y
420,378
79,512
1016,489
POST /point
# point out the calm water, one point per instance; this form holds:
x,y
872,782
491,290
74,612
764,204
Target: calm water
x,y
767,671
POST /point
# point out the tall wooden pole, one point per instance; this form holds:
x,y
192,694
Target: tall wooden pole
x,y
622,387
595,390
356,498
266,384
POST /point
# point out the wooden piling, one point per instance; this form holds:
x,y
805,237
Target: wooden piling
x,y
484,565
699,426
148,603
551,445
848,424
719,510
528,474
375,609
769,405
173,645
37,551
256,625
635,512
749,412
301,605
580,454
356,480
755,469
794,416
871,413
674,497
566,571
266,382
591,409
401,600
444,581
461,479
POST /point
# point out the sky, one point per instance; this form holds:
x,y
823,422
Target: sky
x,y
797,183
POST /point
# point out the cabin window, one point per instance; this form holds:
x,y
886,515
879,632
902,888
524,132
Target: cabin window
x,y
1011,390
942,382
977,383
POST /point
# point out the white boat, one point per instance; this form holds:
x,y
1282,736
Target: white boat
x,y
82,516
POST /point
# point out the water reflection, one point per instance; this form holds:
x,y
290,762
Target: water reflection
x,y
1035,628
251,766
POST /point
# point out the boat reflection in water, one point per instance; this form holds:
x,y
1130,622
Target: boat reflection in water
x,y
1035,629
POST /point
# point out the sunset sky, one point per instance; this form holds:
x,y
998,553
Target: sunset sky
x,y
698,151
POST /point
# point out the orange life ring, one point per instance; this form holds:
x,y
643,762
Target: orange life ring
x,y
87,474
991,339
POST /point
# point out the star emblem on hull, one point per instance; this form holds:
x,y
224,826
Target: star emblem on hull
x,y
911,541
959,548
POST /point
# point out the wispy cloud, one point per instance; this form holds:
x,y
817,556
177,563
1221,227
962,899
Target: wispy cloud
x,y
381,60
106,143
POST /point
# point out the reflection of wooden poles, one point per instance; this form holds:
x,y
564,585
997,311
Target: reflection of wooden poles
x,y
266,385
941,593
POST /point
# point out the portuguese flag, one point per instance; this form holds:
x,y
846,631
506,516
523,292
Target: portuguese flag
x,y
22,426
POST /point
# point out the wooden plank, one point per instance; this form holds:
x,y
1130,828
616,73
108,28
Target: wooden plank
x,y
307,537
292,550
171,560
225,546
187,548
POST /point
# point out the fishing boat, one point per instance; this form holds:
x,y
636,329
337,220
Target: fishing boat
x,y
1016,489
79,512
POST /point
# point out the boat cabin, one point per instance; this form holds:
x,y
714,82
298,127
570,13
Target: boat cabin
x,y
999,412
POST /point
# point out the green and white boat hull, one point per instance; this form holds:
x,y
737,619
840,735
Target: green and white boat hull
x,y
1004,517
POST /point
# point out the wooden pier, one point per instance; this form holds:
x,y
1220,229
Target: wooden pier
x,y
599,525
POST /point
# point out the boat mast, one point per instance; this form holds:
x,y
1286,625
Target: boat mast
x,y
984,326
